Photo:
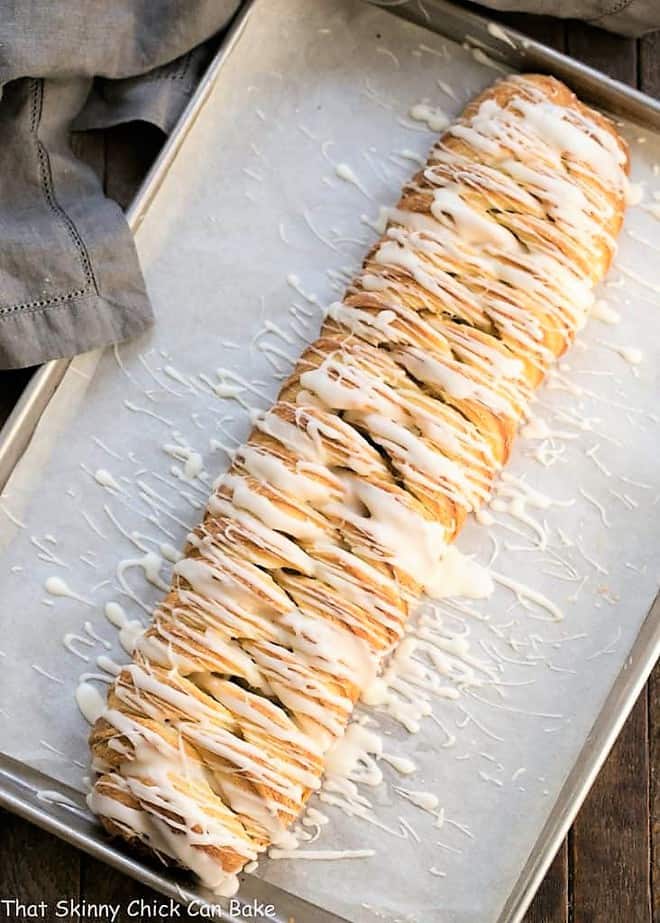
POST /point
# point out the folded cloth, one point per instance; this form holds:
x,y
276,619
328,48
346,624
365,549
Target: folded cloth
x,y
627,17
69,274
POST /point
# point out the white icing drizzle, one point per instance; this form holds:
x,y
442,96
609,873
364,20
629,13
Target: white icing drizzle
x,y
425,800
604,312
90,702
499,33
402,764
46,554
70,640
129,629
320,855
314,544
51,796
433,117
630,354
105,479
602,512
346,172
58,587
46,674
527,595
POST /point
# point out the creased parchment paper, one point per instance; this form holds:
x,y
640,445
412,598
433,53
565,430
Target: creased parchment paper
x,y
262,216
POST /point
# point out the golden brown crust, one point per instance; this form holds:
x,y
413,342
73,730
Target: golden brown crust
x,y
407,403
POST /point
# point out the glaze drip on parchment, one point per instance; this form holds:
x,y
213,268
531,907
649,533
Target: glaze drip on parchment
x,y
340,509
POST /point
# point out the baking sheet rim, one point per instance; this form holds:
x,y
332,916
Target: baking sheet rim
x,y
19,428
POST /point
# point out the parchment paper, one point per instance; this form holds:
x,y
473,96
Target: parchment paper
x,y
253,223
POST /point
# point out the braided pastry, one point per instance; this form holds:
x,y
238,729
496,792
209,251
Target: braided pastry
x,y
335,515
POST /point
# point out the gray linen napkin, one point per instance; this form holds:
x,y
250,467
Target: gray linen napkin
x,y
628,17
69,275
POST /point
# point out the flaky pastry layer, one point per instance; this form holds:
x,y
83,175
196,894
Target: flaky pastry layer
x,y
335,515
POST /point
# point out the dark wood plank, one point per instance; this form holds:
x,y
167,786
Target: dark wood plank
x,y
612,54
649,82
653,706
551,903
35,866
100,884
649,64
609,844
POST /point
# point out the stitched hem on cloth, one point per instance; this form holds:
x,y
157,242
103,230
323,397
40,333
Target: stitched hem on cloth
x,y
58,331
48,190
32,307
617,7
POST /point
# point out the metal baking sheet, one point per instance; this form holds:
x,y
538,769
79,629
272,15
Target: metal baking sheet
x,y
262,222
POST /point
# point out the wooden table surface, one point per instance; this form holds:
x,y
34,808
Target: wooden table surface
x,y
608,868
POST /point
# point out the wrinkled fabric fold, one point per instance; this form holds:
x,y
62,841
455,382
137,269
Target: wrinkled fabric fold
x,y
70,278
625,17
